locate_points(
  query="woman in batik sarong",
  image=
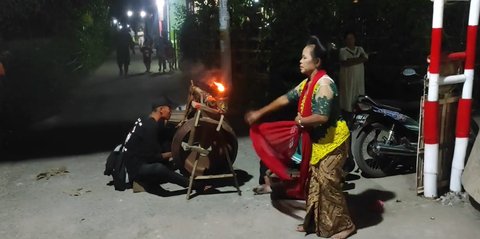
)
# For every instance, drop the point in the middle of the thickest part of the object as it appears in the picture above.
(324, 141)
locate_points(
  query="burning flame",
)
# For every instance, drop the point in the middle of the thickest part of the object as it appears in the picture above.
(220, 86)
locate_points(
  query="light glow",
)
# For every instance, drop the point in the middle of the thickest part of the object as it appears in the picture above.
(129, 13)
(220, 86)
(143, 14)
(160, 7)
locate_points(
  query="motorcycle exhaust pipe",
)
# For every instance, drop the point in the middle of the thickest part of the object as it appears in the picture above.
(397, 150)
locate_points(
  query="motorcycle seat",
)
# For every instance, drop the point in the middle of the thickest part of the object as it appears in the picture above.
(401, 106)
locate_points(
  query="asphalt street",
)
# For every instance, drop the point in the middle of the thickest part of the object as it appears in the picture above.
(73, 201)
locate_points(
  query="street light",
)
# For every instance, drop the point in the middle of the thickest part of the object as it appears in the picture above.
(115, 21)
(129, 13)
(160, 6)
(143, 14)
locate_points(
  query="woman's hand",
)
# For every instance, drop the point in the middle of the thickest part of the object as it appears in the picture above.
(167, 156)
(252, 117)
(298, 120)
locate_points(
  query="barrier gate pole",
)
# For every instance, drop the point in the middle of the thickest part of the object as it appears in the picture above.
(465, 103)
(430, 170)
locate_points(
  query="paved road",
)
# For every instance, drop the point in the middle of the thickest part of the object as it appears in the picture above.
(79, 204)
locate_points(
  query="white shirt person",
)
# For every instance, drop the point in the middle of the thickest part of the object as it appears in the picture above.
(352, 73)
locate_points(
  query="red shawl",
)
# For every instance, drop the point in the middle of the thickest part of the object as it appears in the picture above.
(275, 142)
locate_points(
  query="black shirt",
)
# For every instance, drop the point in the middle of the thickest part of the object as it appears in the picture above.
(145, 143)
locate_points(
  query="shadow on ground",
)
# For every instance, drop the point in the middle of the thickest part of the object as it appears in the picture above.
(242, 177)
(74, 140)
(215, 186)
(407, 166)
(366, 208)
(60, 141)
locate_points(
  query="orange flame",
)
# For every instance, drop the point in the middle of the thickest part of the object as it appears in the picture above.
(220, 86)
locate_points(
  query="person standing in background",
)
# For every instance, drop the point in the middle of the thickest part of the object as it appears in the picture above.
(147, 51)
(124, 44)
(352, 74)
(160, 47)
(141, 37)
(170, 55)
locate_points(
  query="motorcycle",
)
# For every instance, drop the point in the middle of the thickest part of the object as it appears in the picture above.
(385, 134)
(382, 136)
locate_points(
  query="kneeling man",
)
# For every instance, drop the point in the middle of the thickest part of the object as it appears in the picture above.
(148, 150)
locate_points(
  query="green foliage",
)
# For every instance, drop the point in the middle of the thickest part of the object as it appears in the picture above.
(92, 31)
(396, 31)
(51, 45)
(37, 73)
(198, 35)
(39, 18)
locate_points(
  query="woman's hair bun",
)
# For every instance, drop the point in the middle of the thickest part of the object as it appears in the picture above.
(319, 50)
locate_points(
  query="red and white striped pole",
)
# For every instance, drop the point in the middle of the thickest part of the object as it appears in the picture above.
(430, 168)
(465, 103)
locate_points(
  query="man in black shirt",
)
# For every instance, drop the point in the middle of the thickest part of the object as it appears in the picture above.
(147, 150)
(124, 44)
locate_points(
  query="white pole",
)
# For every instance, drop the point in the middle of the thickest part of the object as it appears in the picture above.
(464, 105)
(430, 169)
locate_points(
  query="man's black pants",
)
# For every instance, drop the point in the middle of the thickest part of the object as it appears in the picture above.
(158, 173)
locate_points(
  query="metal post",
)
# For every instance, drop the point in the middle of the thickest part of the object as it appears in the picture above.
(431, 104)
(465, 103)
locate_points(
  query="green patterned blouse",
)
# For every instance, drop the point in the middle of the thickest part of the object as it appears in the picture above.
(321, 104)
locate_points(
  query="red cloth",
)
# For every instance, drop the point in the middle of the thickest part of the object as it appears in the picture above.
(276, 142)
(307, 94)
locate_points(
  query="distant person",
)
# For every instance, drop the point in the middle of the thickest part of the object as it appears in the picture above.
(161, 54)
(147, 151)
(124, 44)
(170, 55)
(132, 34)
(352, 74)
(147, 52)
(141, 37)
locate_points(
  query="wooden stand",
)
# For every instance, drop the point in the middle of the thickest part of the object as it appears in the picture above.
(447, 112)
(204, 152)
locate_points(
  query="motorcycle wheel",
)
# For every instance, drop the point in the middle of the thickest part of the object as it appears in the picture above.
(370, 162)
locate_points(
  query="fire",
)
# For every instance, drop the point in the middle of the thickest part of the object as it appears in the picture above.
(220, 86)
